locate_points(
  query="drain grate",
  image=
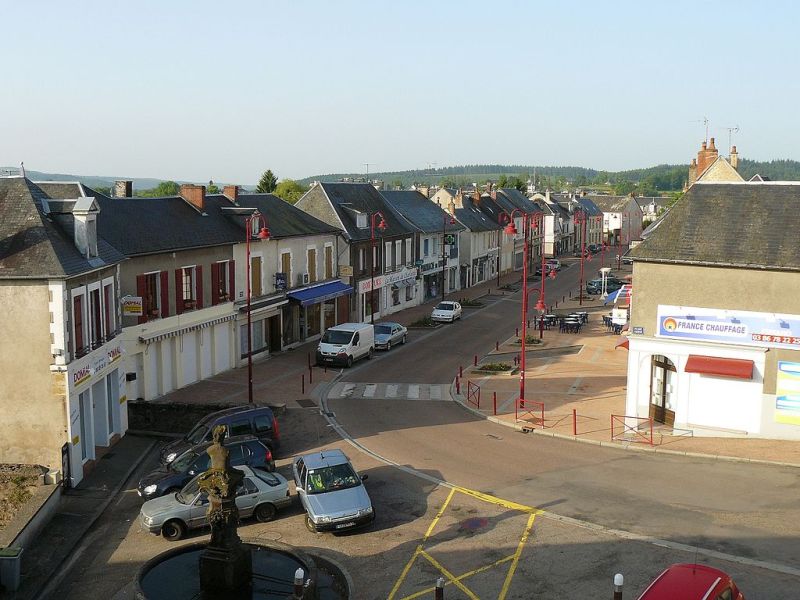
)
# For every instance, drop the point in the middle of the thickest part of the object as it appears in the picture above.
(306, 403)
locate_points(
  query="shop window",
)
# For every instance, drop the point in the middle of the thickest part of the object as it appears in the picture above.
(395, 295)
(409, 292)
(328, 262)
(313, 319)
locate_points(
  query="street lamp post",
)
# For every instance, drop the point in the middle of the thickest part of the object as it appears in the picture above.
(579, 218)
(381, 225)
(445, 221)
(263, 234)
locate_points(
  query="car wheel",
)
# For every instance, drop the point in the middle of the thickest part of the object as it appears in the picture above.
(388, 345)
(310, 525)
(173, 530)
(264, 512)
(371, 353)
(349, 361)
(404, 340)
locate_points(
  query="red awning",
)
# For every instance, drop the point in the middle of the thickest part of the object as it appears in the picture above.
(722, 367)
(622, 344)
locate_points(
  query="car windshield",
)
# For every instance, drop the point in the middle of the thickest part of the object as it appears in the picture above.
(328, 479)
(267, 478)
(444, 306)
(383, 329)
(197, 434)
(180, 464)
(188, 493)
(334, 336)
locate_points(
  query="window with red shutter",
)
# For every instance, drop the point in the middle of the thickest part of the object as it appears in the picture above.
(232, 280)
(178, 291)
(215, 283)
(110, 311)
(198, 274)
(77, 322)
(164, 290)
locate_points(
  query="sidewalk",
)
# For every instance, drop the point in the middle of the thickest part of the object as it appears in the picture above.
(78, 509)
(587, 374)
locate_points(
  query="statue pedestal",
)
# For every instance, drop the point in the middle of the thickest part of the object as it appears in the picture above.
(225, 569)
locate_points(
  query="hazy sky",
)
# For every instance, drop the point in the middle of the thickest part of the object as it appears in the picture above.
(197, 90)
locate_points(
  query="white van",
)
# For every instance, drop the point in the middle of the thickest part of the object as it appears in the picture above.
(346, 343)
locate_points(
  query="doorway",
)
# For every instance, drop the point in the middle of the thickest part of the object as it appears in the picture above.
(662, 390)
(274, 327)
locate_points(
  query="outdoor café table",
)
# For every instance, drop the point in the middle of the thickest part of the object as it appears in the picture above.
(551, 318)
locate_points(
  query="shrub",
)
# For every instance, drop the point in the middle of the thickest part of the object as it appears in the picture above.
(423, 322)
(495, 367)
(530, 339)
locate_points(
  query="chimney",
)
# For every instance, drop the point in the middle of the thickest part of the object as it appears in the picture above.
(734, 158)
(451, 208)
(194, 195)
(692, 172)
(711, 145)
(493, 193)
(231, 192)
(123, 188)
(424, 190)
(707, 155)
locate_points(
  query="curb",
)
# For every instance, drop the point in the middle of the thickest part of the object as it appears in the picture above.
(652, 450)
(58, 574)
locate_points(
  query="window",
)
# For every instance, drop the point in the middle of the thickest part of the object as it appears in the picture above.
(362, 260)
(395, 295)
(328, 262)
(398, 253)
(286, 267)
(238, 453)
(255, 276)
(149, 286)
(262, 423)
(220, 282)
(426, 247)
(95, 318)
(375, 261)
(187, 285)
(410, 292)
(311, 264)
(240, 427)
(387, 265)
(77, 325)
(110, 310)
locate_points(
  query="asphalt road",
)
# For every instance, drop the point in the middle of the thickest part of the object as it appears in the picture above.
(606, 510)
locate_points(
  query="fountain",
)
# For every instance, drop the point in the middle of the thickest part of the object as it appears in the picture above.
(228, 568)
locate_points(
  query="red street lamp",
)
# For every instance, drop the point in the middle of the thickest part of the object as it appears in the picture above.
(580, 218)
(381, 226)
(530, 222)
(256, 228)
(445, 221)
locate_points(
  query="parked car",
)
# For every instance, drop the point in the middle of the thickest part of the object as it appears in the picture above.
(692, 582)
(594, 248)
(239, 420)
(346, 343)
(595, 286)
(389, 334)
(446, 312)
(331, 492)
(261, 496)
(553, 263)
(244, 450)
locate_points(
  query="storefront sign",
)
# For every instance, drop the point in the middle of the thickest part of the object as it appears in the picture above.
(81, 375)
(638, 330)
(746, 328)
(384, 280)
(787, 393)
(114, 354)
(345, 270)
(132, 306)
(96, 362)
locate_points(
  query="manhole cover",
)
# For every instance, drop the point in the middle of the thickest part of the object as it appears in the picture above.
(306, 403)
(473, 524)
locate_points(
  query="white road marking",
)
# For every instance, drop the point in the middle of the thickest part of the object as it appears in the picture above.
(413, 392)
(347, 392)
(573, 389)
(369, 390)
(391, 390)
(435, 392)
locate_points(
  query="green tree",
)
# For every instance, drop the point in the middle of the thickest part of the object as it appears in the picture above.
(397, 184)
(623, 187)
(212, 188)
(502, 181)
(165, 188)
(267, 183)
(290, 190)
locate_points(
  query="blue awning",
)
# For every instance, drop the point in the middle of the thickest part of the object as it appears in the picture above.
(320, 293)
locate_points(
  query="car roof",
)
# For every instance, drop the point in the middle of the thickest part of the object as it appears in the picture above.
(234, 410)
(325, 458)
(228, 441)
(349, 327)
(390, 323)
(692, 580)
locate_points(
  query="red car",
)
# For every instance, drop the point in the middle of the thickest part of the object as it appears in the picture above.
(692, 582)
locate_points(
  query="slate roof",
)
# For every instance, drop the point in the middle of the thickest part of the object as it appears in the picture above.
(516, 199)
(341, 202)
(610, 204)
(34, 244)
(473, 218)
(427, 216)
(590, 207)
(758, 230)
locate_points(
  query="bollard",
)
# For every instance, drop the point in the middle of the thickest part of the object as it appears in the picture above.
(497, 345)
(618, 580)
(326, 368)
(303, 383)
(563, 298)
(574, 422)
(528, 323)
(309, 359)
(298, 583)
(516, 332)
(310, 375)
(439, 590)
(494, 402)
(460, 371)
(458, 385)
(475, 361)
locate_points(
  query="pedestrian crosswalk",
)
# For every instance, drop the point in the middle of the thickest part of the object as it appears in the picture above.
(391, 391)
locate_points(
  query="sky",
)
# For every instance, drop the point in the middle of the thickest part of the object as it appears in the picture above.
(199, 90)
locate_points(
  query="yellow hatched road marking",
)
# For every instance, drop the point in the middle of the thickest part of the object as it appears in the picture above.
(498, 501)
(449, 575)
(517, 554)
(460, 577)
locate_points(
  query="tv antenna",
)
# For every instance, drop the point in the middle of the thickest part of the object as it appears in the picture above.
(705, 122)
(731, 131)
(366, 165)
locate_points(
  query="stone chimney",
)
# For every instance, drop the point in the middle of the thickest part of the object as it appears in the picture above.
(451, 208)
(707, 155)
(231, 192)
(123, 188)
(194, 195)
(692, 172)
(424, 190)
(734, 158)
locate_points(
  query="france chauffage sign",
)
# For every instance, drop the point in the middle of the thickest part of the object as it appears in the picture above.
(745, 328)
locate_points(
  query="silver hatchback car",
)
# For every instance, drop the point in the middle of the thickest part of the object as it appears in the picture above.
(332, 493)
(260, 496)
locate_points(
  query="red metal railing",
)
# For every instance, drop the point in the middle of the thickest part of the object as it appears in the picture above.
(529, 408)
(474, 394)
(625, 428)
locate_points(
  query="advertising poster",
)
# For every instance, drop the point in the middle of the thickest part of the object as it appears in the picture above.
(787, 393)
(745, 328)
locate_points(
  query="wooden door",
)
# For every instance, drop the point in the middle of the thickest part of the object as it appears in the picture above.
(662, 380)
